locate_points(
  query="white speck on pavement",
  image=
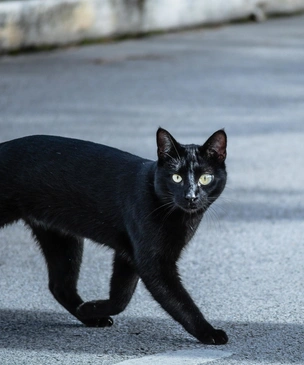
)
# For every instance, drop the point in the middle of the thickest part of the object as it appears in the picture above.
(190, 357)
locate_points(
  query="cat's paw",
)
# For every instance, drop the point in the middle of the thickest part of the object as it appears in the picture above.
(97, 322)
(214, 337)
(86, 315)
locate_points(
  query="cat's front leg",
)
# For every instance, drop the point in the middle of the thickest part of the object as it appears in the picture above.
(162, 280)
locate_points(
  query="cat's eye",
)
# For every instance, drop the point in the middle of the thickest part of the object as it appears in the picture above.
(205, 179)
(177, 178)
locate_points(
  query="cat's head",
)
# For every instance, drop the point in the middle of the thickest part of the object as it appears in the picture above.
(190, 177)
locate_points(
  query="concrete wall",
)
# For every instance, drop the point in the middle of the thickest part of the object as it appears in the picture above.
(36, 23)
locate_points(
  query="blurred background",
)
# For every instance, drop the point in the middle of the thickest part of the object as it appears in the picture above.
(119, 92)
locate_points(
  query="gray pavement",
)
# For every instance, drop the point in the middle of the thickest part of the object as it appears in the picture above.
(244, 267)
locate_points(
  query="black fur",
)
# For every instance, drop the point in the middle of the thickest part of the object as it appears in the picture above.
(67, 189)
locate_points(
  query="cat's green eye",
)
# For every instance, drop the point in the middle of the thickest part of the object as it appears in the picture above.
(177, 178)
(205, 179)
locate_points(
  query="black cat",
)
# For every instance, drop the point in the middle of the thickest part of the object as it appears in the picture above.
(147, 211)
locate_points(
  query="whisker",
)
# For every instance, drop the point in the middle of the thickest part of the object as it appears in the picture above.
(166, 216)
(158, 208)
(169, 212)
(212, 218)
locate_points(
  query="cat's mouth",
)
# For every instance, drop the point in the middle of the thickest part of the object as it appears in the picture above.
(190, 208)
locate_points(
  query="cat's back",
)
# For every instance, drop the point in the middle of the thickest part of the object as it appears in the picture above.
(55, 149)
(61, 158)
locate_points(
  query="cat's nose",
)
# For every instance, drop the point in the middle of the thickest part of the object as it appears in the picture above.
(191, 197)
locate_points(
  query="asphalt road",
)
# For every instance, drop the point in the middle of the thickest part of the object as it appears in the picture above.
(244, 268)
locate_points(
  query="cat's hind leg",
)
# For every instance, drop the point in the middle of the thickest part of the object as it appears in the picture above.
(63, 255)
(123, 283)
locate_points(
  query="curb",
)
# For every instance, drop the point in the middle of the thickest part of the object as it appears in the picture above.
(51, 23)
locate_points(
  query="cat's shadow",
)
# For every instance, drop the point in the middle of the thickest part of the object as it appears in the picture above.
(49, 331)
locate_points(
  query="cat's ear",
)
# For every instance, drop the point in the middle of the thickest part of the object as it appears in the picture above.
(166, 144)
(215, 147)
